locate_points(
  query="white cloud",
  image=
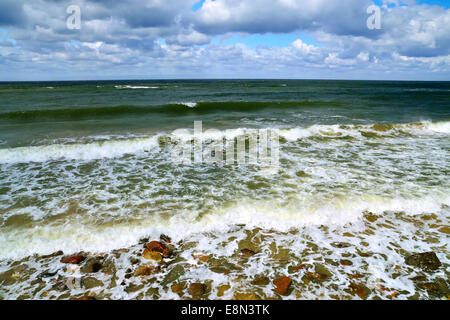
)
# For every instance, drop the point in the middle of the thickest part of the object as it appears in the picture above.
(166, 37)
(303, 47)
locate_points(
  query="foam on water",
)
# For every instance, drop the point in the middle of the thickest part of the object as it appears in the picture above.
(89, 151)
(117, 148)
(356, 131)
(135, 87)
(189, 104)
(101, 237)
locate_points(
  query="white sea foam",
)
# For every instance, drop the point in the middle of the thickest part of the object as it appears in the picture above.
(114, 148)
(189, 104)
(442, 127)
(135, 87)
(89, 151)
(79, 235)
(419, 128)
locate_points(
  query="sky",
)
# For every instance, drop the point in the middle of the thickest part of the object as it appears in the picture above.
(187, 39)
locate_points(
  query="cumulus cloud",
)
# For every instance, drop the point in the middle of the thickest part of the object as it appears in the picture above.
(166, 38)
(303, 47)
(260, 16)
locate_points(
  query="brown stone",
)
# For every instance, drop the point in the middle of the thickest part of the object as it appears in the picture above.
(247, 252)
(393, 295)
(419, 278)
(75, 259)
(246, 296)
(427, 261)
(152, 255)
(359, 290)
(445, 230)
(156, 246)
(429, 286)
(178, 288)
(201, 257)
(146, 271)
(297, 268)
(346, 262)
(196, 290)
(165, 238)
(261, 281)
(282, 285)
(222, 289)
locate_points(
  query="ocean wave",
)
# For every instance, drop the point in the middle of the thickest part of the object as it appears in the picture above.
(174, 108)
(364, 131)
(76, 151)
(135, 87)
(79, 235)
(115, 147)
(190, 104)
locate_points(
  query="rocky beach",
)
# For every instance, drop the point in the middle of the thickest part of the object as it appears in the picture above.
(249, 265)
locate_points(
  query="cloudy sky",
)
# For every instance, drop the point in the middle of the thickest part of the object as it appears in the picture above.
(162, 39)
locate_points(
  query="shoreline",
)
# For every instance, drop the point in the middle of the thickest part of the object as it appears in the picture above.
(251, 265)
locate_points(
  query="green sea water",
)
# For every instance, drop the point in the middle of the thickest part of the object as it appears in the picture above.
(34, 112)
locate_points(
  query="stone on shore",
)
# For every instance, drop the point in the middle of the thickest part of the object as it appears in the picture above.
(426, 260)
(196, 290)
(173, 275)
(358, 289)
(91, 282)
(165, 238)
(146, 271)
(295, 269)
(320, 269)
(156, 246)
(178, 288)
(75, 259)
(201, 257)
(222, 289)
(246, 296)
(282, 285)
(152, 255)
(92, 265)
(247, 253)
(261, 281)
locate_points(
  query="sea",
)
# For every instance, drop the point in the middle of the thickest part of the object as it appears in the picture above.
(361, 182)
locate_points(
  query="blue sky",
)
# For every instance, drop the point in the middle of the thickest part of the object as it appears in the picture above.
(443, 3)
(225, 39)
(267, 39)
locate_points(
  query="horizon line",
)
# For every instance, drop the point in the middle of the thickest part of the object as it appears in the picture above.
(228, 79)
